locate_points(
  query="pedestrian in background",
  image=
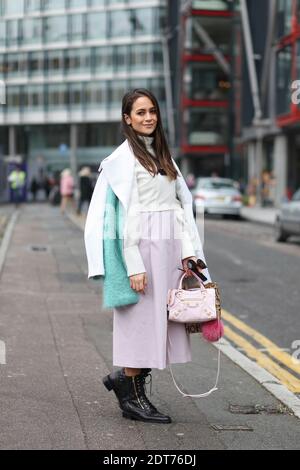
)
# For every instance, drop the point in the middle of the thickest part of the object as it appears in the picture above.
(85, 188)
(66, 190)
(17, 182)
(191, 180)
(34, 187)
(152, 190)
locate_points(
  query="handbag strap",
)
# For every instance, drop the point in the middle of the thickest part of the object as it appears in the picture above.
(200, 395)
(202, 287)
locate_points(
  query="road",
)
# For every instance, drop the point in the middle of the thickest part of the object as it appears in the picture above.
(259, 281)
(58, 343)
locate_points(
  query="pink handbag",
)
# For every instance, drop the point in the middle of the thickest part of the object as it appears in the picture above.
(196, 306)
(193, 305)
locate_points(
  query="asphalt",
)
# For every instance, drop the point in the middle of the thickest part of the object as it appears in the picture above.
(58, 344)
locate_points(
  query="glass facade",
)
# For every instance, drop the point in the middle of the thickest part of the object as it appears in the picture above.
(211, 4)
(56, 28)
(81, 61)
(284, 78)
(125, 23)
(219, 31)
(32, 6)
(284, 17)
(206, 81)
(207, 126)
(32, 31)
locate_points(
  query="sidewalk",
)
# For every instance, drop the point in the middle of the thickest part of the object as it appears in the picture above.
(263, 215)
(59, 345)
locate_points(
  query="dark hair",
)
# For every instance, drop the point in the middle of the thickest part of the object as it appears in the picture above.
(159, 144)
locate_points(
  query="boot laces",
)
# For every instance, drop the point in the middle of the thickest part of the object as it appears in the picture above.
(140, 384)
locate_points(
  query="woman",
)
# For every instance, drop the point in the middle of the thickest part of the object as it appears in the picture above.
(160, 235)
(66, 190)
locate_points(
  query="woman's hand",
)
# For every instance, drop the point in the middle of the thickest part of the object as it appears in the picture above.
(138, 282)
(185, 266)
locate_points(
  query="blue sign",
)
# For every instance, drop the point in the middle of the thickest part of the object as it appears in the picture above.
(63, 148)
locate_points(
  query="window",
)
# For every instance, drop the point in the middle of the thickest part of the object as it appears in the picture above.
(3, 65)
(12, 32)
(208, 126)
(157, 86)
(97, 3)
(2, 33)
(53, 4)
(76, 95)
(32, 31)
(34, 97)
(36, 63)
(13, 97)
(14, 7)
(284, 66)
(55, 62)
(121, 58)
(141, 57)
(120, 23)
(77, 27)
(77, 60)
(138, 83)
(157, 57)
(16, 65)
(98, 135)
(117, 90)
(211, 4)
(55, 28)
(32, 5)
(284, 17)
(160, 20)
(96, 25)
(77, 3)
(95, 94)
(103, 59)
(142, 21)
(58, 96)
(219, 29)
(206, 81)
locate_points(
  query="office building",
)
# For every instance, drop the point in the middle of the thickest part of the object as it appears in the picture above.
(66, 65)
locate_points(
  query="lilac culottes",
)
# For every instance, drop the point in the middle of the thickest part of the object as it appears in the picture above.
(142, 335)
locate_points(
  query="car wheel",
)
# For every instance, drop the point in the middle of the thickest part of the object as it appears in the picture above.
(280, 234)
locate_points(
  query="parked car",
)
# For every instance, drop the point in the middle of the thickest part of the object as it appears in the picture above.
(288, 219)
(217, 195)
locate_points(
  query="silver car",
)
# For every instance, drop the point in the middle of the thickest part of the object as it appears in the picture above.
(288, 219)
(217, 196)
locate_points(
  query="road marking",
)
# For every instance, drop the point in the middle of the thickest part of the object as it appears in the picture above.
(271, 347)
(2, 353)
(289, 380)
(263, 377)
(7, 236)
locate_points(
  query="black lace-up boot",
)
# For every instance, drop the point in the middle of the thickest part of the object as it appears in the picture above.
(133, 401)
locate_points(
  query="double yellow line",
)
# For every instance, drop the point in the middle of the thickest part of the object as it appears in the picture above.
(272, 359)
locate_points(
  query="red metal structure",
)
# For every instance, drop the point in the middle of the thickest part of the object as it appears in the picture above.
(204, 120)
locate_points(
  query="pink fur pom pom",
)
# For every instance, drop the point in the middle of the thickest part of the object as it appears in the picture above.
(212, 330)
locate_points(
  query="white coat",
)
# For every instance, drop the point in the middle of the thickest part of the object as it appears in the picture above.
(117, 171)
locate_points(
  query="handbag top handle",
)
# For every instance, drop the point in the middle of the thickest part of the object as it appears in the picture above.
(195, 275)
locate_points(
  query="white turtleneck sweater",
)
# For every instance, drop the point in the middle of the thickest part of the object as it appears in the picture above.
(151, 193)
